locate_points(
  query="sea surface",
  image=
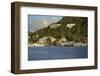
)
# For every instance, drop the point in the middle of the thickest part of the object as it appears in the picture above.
(57, 52)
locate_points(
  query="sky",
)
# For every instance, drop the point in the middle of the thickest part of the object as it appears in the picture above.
(36, 22)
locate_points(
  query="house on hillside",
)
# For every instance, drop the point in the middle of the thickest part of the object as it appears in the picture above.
(55, 25)
(62, 41)
(44, 40)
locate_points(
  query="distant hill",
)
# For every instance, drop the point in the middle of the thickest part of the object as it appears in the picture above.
(76, 33)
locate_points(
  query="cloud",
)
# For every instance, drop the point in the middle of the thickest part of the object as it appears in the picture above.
(38, 24)
(54, 19)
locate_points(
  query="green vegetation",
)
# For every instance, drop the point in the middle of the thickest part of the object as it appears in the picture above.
(78, 33)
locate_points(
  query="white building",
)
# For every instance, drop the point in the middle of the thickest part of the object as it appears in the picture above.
(80, 44)
(70, 25)
(55, 25)
(43, 40)
(63, 39)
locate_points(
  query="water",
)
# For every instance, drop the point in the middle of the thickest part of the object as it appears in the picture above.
(57, 52)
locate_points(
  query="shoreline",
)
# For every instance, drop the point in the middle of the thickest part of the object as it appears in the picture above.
(67, 45)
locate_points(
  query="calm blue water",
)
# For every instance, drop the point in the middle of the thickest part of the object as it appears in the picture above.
(49, 53)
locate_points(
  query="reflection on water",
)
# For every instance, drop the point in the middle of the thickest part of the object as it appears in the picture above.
(52, 53)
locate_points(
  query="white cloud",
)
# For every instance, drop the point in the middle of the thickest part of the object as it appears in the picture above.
(38, 24)
(42, 23)
(54, 19)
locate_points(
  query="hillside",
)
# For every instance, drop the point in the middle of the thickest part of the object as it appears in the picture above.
(77, 33)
